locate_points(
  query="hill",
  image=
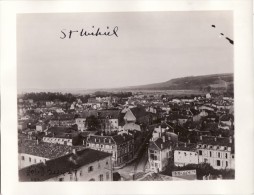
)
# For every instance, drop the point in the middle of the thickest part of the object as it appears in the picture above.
(205, 82)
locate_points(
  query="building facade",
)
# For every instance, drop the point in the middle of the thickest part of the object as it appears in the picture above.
(83, 165)
(120, 146)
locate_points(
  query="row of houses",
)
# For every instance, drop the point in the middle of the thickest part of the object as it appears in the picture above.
(164, 147)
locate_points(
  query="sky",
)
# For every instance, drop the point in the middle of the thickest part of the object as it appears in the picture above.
(151, 47)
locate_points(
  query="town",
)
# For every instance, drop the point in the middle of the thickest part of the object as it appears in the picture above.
(125, 136)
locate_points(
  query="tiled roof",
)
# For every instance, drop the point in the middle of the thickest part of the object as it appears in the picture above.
(220, 141)
(114, 114)
(139, 111)
(158, 144)
(116, 139)
(132, 126)
(64, 117)
(186, 146)
(61, 165)
(46, 150)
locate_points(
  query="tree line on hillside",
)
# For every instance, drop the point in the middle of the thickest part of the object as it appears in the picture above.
(115, 94)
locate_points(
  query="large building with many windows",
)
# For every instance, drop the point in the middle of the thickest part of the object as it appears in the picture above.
(83, 165)
(217, 151)
(120, 146)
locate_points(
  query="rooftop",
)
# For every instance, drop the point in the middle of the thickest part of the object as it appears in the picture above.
(61, 165)
(42, 149)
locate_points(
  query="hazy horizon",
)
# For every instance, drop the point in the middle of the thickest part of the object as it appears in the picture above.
(151, 47)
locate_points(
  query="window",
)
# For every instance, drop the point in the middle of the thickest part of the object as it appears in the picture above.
(218, 162)
(22, 158)
(153, 157)
(226, 155)
(233, 156)
(101, 177)
(107, 176)
(200, 152)
(30, 159)
(80, 173)
(106, 162)
(226, 163)
(90, 168)
(219, 154)
(210, 154)
(61, 179)
(34, 160)
(99, 165)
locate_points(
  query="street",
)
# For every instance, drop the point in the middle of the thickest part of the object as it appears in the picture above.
(140, 160)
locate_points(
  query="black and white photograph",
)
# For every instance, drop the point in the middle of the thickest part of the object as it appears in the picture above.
(125, 96)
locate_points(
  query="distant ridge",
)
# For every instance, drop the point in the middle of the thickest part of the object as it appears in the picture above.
(191, 83)
(223, 81)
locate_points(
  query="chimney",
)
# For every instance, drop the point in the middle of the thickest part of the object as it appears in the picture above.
(220, 135)
(230, 140)
(164, 138)
(200, 137)
(188, 141)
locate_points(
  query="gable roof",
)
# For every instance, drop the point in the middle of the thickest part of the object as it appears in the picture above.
(217, 141)
(129, 116)
(158, 144)
(42, 149)
(61, 165)
(116, 139)
(139, 111)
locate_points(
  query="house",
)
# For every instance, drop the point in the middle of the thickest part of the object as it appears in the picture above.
(226, 120)
(40, 126)
(120, 146)
(185, 153)
(64, 139)
(33, 151)
(61, 135)
(66, 120)
(208, 96)
(132, 126)
(83, 165)
(137, 114)
(81, 123)
(160, 153)
(217, 151)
